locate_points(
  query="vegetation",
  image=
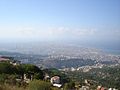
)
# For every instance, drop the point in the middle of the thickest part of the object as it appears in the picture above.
(56, 72)
(9, 87)
(6, 68)
(12, 77)
(39, 85)
(106, 76)
(69, 86)
(57, 63)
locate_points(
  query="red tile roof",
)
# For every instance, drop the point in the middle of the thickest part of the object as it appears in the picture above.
(3, 59)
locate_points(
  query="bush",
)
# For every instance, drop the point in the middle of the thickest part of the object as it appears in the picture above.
(3, 77)
(6, 68)
(39, 85)
(69, 86)
(10, 87)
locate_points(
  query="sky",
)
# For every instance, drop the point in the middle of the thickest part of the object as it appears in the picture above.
(66, 20)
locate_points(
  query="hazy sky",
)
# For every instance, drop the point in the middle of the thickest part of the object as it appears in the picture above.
(44, 20)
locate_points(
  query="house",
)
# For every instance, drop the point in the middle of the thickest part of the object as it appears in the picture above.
(55, 80)
(28, 78)
(57, 85)
(2, 59)
(46, 77)
(10, 60)
(84, 88)
(87, 82)
(101, 88)
(112, 89)
(15, 62)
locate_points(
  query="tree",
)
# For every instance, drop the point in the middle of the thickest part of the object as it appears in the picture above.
(6, 68)
(32, 70)
(29, 68)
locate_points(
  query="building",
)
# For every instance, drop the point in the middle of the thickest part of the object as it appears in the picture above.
(2, 59)
(55, 80)
(84, 88)
(46, 77)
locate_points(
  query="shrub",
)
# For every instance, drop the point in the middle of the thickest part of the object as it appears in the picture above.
(39, 85)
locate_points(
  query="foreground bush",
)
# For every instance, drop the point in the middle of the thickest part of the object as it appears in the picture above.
(39, 85)
(9, 87)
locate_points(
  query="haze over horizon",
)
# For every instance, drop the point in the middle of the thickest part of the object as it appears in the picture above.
(90, 22)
